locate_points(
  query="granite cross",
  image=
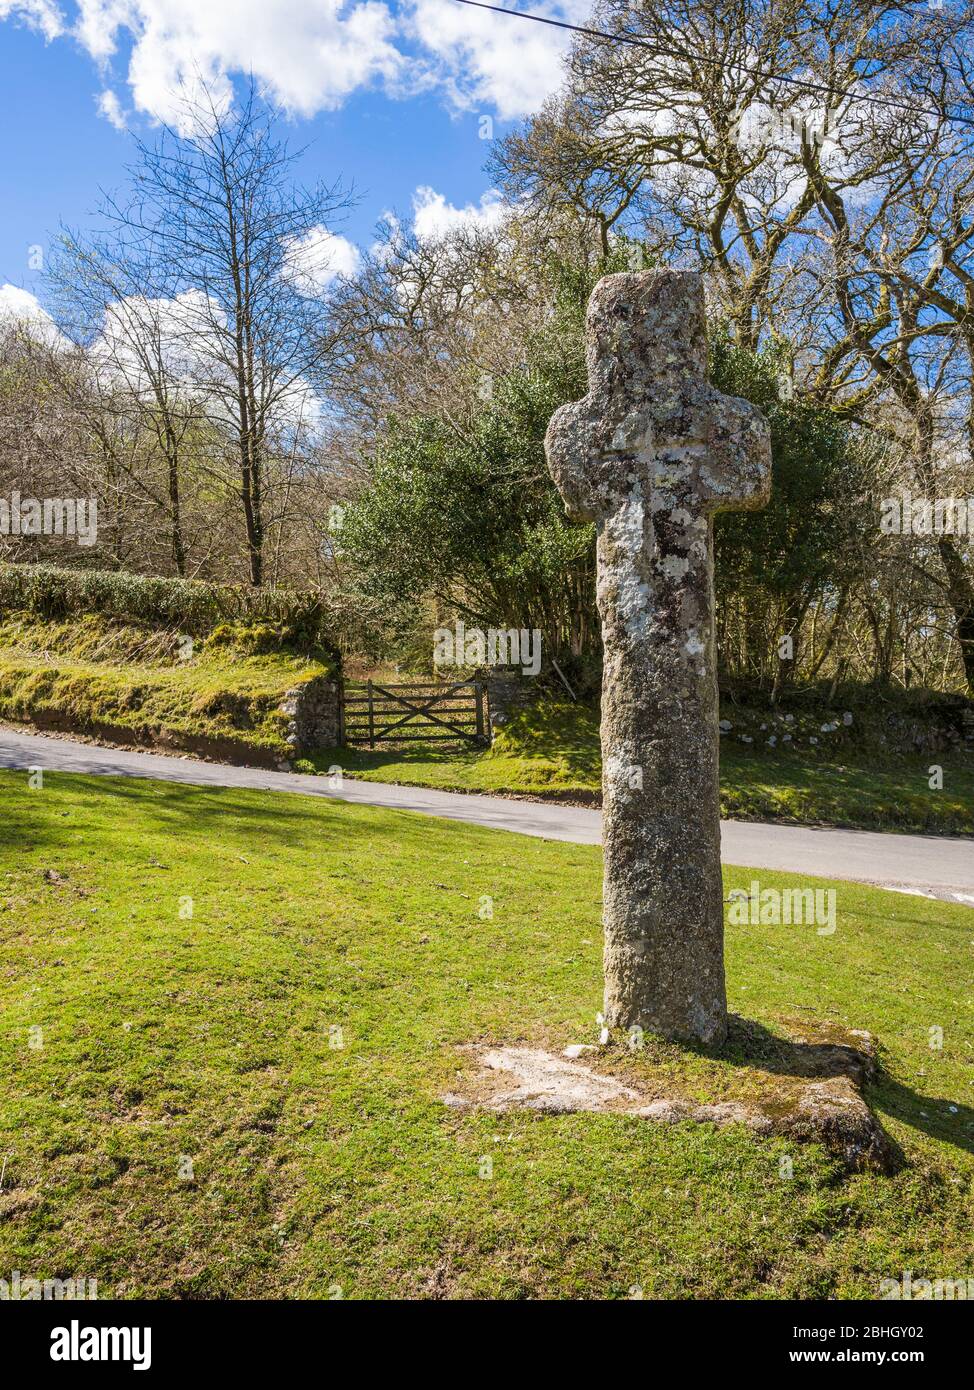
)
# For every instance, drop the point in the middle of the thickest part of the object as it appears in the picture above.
(650, 454)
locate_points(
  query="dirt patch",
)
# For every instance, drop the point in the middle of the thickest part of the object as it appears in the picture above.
(528, 1078)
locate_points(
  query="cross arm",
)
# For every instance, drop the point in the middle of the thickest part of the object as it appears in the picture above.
(587, 450)
(571, 446)
(736, 475)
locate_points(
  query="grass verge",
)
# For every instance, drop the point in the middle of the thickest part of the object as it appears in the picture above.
(228, 1017)
(221, 697)
(552, 751)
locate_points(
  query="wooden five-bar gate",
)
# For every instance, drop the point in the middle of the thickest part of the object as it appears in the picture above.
(414, 712)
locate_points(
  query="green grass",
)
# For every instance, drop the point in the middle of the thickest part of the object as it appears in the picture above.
(552, 751)
(92, 676)
(168, 1037)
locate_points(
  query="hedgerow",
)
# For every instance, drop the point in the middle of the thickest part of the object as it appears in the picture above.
(189, 606)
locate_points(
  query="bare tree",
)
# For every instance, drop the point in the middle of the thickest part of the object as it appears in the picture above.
(235, 248)
(130, 345)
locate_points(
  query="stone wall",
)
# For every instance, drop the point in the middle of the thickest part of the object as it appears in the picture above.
(314, 711)
(944, 726)
(508, 690)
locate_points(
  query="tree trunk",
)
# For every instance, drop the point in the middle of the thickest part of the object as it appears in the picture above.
(175, 512)
(960, 595)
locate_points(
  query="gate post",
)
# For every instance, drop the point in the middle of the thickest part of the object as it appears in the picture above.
(371, 719)
(479, 694)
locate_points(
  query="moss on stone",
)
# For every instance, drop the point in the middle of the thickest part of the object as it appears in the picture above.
(95, 676)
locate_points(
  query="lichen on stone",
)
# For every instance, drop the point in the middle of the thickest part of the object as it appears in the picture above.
(650, 455)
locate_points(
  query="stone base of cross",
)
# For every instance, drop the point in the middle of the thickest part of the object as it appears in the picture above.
(651, 454)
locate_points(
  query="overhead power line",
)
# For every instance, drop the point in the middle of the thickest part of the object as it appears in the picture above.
(806, 85)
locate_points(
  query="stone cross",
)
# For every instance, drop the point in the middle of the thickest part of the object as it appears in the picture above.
(650, 454)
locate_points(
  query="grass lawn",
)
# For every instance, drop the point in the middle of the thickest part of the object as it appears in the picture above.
(552, 751)
(177, 1118)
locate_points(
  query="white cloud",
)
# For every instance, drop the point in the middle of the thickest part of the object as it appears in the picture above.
(186, 337)
(319, 257)
(175, 332)
(312, 54)
(434, 217)
(41, 15)
(19, 306)
(484, 59)
(309, 56)
(110, 107)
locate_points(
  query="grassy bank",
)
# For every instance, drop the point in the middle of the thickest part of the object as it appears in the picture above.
(228, 1018)
(553, 751)
(220, 696)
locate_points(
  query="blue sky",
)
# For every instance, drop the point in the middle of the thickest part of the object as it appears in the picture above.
(390, 96)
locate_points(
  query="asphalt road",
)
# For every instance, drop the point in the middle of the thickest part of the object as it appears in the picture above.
(932, 865)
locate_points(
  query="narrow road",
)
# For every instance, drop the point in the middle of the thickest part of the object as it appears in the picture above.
(926, 864)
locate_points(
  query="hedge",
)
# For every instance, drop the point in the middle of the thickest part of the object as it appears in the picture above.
(186, 605)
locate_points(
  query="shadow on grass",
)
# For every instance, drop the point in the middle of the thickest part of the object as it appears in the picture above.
(178, 808)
